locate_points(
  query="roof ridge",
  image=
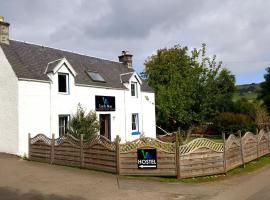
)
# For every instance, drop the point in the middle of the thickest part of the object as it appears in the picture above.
(127, 73)
(55, 60)
(68, 51)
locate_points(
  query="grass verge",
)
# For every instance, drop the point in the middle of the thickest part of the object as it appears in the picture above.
(249, 167)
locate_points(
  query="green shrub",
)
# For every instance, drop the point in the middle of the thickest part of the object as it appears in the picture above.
(83, 123)
(24, 157)
(244, 106)
(229, 122)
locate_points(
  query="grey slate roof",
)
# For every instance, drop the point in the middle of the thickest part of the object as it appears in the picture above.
(125, 77)
(30, 61)
(52, 65)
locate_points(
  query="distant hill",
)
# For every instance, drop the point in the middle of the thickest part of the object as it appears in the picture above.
(248, 91)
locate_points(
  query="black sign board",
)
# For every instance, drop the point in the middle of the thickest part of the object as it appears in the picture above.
(147, 158)
(105, 103)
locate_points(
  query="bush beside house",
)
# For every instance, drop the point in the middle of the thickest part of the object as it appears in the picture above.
(83, 123)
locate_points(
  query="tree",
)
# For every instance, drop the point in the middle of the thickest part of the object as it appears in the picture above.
(245, 106)
(83, 123)
(262, 116)
(229, 122)
(190, 87)
(264, 93)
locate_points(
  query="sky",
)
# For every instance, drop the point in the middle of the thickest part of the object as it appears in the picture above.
(237, 31)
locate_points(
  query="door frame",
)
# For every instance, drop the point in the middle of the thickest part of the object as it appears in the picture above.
(107, 122)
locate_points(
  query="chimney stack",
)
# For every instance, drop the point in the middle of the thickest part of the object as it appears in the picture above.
(126, 59)
(4, 31)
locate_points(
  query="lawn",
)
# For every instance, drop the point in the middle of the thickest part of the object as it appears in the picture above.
(216, 139)
(248, 96)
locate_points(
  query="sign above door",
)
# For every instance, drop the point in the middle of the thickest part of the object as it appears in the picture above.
(105, 103)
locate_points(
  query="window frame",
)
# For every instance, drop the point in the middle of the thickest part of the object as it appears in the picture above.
(65, 126)
(67, 82)
(136, 130)
(135, 89)
(96, 76)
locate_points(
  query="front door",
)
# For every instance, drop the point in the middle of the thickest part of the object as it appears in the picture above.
(105, 125)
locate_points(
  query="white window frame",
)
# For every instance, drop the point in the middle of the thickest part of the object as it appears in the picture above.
(135, 89)
(67, 83)
(64, 126)
(136, 122)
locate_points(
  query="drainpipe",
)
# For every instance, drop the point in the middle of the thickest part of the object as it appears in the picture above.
(142, 130)
(50, 108)
(125, 110)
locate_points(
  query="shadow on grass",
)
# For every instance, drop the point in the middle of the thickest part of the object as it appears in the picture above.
(8, 193)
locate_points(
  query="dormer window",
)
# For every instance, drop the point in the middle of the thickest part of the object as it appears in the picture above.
(95, 76)
(134, 90)
(63, 83)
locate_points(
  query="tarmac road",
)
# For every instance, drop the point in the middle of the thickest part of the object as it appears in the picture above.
(27, 180)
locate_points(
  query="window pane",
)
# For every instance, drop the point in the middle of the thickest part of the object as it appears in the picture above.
(95, 76)
(133, 89)
(61, 132)
(63, 125)
(133, 126)
(62, 83)
(134, 122)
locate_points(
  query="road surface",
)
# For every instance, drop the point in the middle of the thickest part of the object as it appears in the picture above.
(27, 180)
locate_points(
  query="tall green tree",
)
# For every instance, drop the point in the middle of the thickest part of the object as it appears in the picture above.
(264, 94)
(190, 87)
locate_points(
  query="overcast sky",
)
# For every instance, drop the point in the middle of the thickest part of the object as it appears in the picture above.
(238, 32)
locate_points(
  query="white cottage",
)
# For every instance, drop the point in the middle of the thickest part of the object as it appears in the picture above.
(40, 88)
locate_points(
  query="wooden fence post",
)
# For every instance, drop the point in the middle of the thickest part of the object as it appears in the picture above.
(242, 150)
(117, 145)
(29, 146)
(224, 152)
(81, 151)
(52, 148)
(177, 155)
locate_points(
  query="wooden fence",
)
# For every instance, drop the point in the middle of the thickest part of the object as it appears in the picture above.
(199, 157)
(98, 153)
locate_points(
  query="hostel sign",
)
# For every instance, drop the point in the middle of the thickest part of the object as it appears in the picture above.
(147, 158)
(105, 103)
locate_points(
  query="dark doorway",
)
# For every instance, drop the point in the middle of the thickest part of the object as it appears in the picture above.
(105, 125)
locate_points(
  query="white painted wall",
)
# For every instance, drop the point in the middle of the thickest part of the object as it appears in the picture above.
(34, 111)
(40, 105)
(133, 105)
(149, 115)
(67, 104)
(9, 107)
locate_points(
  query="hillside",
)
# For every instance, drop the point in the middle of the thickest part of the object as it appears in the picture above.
(248, 91)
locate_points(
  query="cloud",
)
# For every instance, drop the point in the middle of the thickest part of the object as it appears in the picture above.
(237, 31)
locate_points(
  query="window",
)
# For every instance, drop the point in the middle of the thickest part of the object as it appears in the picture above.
(63, 83)
(95, 76)
(63, 124)
(135, 122)
(134, 89)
